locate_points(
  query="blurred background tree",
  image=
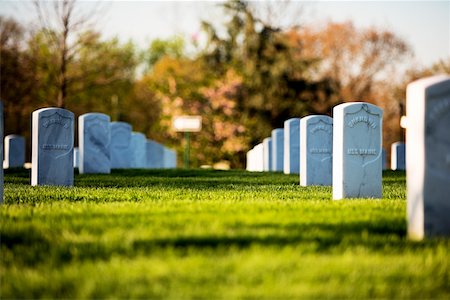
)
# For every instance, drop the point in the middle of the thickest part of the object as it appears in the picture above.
(248, 77)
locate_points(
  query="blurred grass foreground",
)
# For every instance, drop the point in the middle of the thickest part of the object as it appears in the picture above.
(211, 234)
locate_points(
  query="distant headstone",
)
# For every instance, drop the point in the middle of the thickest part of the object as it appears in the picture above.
(292, 146)
(250, 160)
(398, 161)
(316, 148)
(120, 146)
(14, 151)
(357, 155)
(428, 157)
(155, 155)
(267, 148)
(52, 147)
(1, 151)
(170, 158)
(139, 147)
(76, 157)
(383, 159)
(94, 143)
(258, 157)
(278, 149)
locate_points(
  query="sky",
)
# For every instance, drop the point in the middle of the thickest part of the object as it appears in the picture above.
(424, 25)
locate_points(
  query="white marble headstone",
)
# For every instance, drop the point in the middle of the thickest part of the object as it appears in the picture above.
(1, 151)
(120, 146)
(52, 147)
(428, 157)
(267, 151)
(155, 155)
(14, 151)
(250, 160)
(170, 158)
(278, 149)
(139, 147)
(292, 146)
(398, 160)
(316, 148)
(258, 157)
(94, 143)
(357, 155)
(76, 157)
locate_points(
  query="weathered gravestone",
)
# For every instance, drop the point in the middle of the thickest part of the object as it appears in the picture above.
(14, 151)
(428, 157)
(357, 155)
(292, 146)
(398, 161)
(120, 146)
(316, 148)
(139, 147)
(76, 157)
(94, 143)
(267, 148)
(170, 158)
(277, 149)
(52, 147)
(155, 155)
(1, 151)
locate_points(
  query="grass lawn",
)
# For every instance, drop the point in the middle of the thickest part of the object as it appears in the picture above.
(211, 234)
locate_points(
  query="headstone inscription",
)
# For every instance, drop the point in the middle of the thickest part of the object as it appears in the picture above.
(120, 146)
(398, 161)
(428, 157)
(267, 146)
(292, 146)
(277, 149)
(14, 151)
(52, 147)
(155, 155)
(139, 148)
(316, 148)
(357, 155)
(94, 143)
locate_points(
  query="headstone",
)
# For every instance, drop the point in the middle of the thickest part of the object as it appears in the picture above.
(292, 146)
(1, 151)
(316, 148)
(14, 151)
(120, 146)
(155, 155)
(267, 146)
(258, 158)
(170, 158)
(94, 143)
(398, 161)
(428, 157)
(52, 147)
(383, 159)
(278, 149)
(139, 147)
(250, 160)
(357, 170)
(76, 157)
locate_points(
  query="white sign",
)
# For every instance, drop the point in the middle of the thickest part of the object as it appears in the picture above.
(187, 123)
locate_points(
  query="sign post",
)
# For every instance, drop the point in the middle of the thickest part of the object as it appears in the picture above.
(187, 124)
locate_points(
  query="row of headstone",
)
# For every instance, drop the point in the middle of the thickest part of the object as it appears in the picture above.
(103, 145)
(345, 152)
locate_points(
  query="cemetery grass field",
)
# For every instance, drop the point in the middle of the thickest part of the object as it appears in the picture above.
(211, 234)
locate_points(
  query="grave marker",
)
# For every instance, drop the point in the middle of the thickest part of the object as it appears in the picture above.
(155, 155)
(94, 144)
(316, 148)
(398, 161)
(267, 152)
(52, 147)
(139, 148)
(428, 157)
(277, 149)
(170, 158)
(120, 146)
(76, 157)
(14, 151)
(357, 155)
(292, 146)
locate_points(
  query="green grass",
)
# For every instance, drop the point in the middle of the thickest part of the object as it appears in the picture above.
(211, 234)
